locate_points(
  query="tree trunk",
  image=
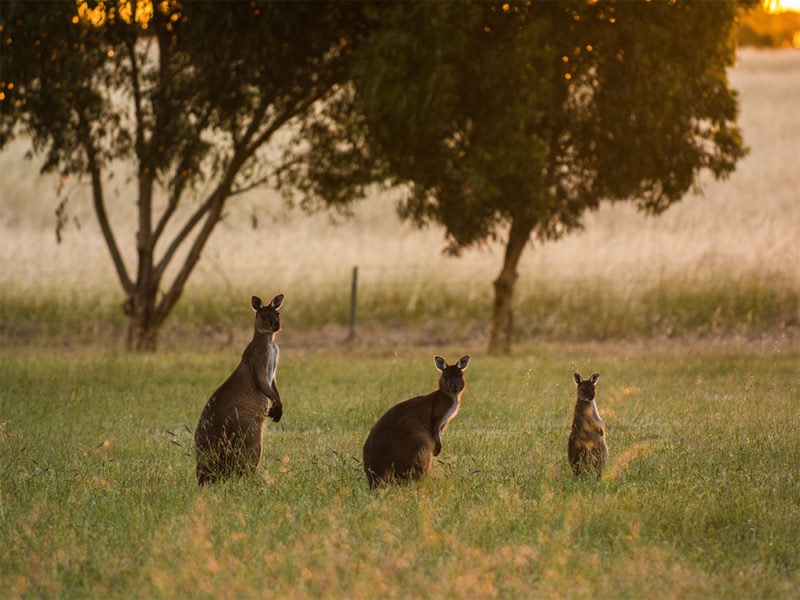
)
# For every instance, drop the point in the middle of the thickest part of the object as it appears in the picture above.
(144, 323)
(503, 315)
(142, 335)
(147, 311)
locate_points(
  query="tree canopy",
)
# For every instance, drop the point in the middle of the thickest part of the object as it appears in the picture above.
(190, 92)
(513, 119)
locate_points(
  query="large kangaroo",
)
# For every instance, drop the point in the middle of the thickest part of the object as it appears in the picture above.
(587, 449)
(402, 443)
(228, 435)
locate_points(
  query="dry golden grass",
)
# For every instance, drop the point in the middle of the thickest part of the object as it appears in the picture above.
(744, 227)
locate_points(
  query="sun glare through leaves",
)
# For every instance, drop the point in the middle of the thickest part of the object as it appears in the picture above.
(140, 12)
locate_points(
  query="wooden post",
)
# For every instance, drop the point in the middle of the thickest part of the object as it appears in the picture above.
(353, 295)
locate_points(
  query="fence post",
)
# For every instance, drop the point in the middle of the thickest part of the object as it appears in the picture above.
(353, 295)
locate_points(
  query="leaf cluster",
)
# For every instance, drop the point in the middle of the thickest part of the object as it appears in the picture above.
(536, 112)
(50, 66)
(192, 93)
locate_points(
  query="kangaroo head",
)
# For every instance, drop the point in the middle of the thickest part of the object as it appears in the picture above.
(452, 379)
(586, 386)
(268, 319)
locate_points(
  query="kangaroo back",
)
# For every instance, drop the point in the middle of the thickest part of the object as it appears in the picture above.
(402, 443)
(587, 450)
(229, 432)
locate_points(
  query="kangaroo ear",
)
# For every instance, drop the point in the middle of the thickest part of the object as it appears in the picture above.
(594, 378)
(256, 303)
(577, 378)
(463, 362)
(440, 363)
(277, 302)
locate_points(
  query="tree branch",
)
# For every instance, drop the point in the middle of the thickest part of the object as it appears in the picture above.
(212, 213)
(99, 206)
(298, 107)
(212, 209)
(146, 175)
(180, 182)
(253, 185)
(185, 231)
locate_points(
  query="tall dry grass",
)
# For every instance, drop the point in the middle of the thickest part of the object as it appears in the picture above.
(731, 234)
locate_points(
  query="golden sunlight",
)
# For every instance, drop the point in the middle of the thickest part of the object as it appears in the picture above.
(780, 6)
(789, 11)
(98, 15)
(124, 10)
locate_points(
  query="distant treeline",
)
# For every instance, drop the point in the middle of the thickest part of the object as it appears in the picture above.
(764, 30)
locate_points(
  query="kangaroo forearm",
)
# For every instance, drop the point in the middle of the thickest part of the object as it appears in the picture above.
(275, 389)
(267, 389)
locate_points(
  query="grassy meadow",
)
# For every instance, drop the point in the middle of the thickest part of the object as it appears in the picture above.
(701, 496)
(691, 319)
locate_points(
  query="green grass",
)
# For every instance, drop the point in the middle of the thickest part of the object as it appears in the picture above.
(701, 497)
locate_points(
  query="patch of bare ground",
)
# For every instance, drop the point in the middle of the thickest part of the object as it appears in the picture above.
(389, 338)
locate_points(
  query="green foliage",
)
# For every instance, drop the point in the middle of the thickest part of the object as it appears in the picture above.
(514, 119)
(167, 74)
(189, 95)
(97, 496)
(536, 112)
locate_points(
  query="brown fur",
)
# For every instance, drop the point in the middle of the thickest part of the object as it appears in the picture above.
(587, 449)
(229, 432)
(402, 443)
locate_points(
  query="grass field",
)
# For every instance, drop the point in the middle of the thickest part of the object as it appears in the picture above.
(701, 497)
(691, 319)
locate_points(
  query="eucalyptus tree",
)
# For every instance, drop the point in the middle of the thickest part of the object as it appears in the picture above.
(190, 93)
(511, 120)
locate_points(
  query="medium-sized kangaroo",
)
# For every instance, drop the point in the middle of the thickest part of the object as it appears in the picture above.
(587, 448)
(228, 435)
(402, 443)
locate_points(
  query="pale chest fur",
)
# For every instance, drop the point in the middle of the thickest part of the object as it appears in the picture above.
(588, 423)
(451, 412)
(590, 413)
(271, 362)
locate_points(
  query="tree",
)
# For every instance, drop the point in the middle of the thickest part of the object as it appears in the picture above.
(515, 118)
(190, 92)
